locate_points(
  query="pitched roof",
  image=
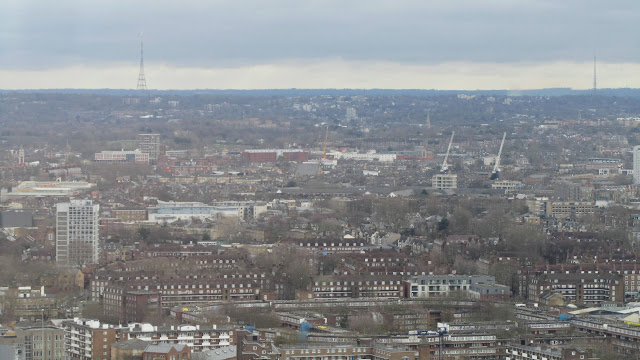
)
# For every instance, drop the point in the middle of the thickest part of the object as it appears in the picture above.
(133, 344)
(164, 348)
(222, 353)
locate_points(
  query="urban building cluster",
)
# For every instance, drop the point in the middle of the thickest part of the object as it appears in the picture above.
(319, 227)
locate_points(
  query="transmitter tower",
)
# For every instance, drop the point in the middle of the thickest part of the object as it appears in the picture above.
(142, 81)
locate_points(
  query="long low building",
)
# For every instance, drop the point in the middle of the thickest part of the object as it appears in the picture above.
(183, 292)
(198, 338)
(173, 211)
(357, 287)
(581, 289)
(369, 156)
(273, 155)
(135, 156)
(521, 352)
(443, 285)
(462, 346)
(622, 337)
(45, 188)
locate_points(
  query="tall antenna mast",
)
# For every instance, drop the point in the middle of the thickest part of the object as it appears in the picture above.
(594, 75)
(142, 82)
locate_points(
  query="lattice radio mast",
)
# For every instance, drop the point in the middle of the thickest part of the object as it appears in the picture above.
(142, 82)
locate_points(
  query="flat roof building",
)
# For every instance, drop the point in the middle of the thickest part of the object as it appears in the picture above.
(77, 232)
(133, 156)
(444, 181)
(150, 144)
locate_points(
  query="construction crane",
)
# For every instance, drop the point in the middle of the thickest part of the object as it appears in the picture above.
(445, 166)
(324, 148)
(495, 174)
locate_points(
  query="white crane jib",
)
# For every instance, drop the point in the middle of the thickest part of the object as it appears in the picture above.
(496, 167)
(445, 166)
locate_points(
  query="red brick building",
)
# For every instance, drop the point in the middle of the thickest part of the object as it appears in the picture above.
(128, 305)
(140, 303)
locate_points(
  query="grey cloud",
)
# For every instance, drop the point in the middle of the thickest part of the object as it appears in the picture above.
(41, 35)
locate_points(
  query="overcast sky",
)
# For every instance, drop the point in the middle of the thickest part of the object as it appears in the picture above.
(241, 44)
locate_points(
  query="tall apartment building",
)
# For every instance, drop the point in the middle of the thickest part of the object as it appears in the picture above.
(77, 234)
(88, 339)
(42, 343)
(150, 144)
(351, 114)
(127, 305)
(12, 352)
(636, 165)
(33, 343)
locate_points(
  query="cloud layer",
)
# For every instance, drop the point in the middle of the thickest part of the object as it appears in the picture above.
(272, 43)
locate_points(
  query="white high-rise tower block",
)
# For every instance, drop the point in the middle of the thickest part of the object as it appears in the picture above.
(77, 233)
(636, 165)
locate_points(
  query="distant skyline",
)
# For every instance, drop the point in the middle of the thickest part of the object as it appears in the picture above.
(226, 44)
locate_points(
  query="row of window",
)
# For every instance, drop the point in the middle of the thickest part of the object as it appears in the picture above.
(375, 282)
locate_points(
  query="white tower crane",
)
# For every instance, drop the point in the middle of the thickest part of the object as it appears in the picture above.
(445, 166)
(496, 168)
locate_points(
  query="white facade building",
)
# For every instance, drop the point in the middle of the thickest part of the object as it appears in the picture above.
(636, 165)
(45, 188)
(369, 156)
(506, 184)
(122, 156)
(77, 232)
(173, 211)
(88, 339)
(196, 337)
(443, 285)
(351, 114)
